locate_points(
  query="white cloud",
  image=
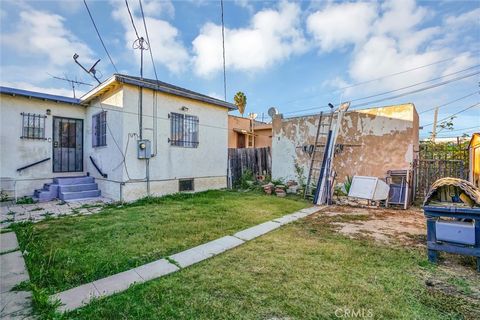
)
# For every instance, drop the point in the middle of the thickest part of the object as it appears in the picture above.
(338, 25)
(272, 36)
(167, 47)
(386, 39)
(43, 33)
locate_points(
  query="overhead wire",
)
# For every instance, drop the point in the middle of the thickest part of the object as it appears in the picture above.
(223, 47)
(453, 114)
(131, 19)
(99, 36)
(396, 96)
(388, 75)
(450, 102)
(148, 40)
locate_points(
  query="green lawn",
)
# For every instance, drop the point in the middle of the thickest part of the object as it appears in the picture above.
(67, 252)
(302, 271)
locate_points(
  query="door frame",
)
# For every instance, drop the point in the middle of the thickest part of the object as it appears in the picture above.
(53, 143)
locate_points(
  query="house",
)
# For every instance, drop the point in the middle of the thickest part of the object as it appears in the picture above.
(248, 133)
(127, 138)
(370, 142)
(474, 157)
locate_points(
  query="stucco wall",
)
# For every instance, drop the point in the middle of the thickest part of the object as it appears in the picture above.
(171, 163)
(374, 141)
(16, 152)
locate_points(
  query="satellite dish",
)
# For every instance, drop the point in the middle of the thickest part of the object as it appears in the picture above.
(272, 112)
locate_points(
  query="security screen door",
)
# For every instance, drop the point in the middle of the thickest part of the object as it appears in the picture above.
(67, 145)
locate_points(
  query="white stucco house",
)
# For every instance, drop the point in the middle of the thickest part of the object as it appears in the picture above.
(125, 139)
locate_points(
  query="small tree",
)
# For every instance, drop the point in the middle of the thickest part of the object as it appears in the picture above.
(240, 101)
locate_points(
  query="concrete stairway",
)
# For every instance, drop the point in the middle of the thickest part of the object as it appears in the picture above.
(68, 188)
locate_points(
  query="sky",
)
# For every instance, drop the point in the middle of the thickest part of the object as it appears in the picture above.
(294, 56)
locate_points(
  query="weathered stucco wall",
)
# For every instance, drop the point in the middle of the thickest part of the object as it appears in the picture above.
(16, 152)
(374, 141)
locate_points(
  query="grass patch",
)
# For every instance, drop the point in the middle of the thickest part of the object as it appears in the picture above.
(67, 252)
(301, 271)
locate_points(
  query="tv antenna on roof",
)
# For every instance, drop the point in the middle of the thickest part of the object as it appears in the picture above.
(92, 71)
(72, 82)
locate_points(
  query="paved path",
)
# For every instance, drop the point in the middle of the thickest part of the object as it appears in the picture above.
(13, 304)
(80, 296)
(35, 212)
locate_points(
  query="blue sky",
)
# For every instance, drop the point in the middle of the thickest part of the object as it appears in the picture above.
(291, 55)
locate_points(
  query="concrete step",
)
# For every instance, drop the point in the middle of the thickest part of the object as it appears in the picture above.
(79, 194)
(73, 180)
(78, 187)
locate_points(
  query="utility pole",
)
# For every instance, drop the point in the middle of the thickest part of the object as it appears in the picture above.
(434, 131)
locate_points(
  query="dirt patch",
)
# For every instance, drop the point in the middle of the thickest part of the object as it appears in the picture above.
(454, 276)
(382, 224)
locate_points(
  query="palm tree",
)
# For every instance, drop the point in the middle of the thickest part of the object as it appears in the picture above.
(240, 101)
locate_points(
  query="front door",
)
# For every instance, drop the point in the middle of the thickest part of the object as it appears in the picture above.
(67, 145)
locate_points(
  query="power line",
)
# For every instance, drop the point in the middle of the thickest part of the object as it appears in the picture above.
(453, 114)
(386, 76)
(99, 36)
(223, 46)
(465, 129)
(450, 102)
(419, 90)
(399, 95)
(131, 19)
(148, 40)
(415, 84)
(402, 72)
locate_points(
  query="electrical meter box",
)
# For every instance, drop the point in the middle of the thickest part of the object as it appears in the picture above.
(144, 149)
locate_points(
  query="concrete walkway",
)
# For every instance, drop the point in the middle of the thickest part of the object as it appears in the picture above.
(11, 212)
(80, 296)
(13, 304)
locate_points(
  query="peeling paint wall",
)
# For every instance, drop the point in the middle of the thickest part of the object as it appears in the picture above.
(374, 141)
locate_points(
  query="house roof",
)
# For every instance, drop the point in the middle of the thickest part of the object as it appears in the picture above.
(154, 85)
(38, 95)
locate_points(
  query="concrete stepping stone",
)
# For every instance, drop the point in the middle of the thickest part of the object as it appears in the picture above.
(258, 230)
(12, 271)
(15, 304)
(155, 269)
(76, 297)
(205, 251)
(117, 283)
(8, 242)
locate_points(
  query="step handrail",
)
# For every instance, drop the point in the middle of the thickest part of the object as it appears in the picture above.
(98, 169)
(32, 164)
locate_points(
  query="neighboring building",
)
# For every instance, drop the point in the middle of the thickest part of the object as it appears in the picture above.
(248, 133)
(183, 133)
(474, 154)
(370, 142)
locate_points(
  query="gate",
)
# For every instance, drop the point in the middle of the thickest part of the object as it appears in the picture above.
(439, 161)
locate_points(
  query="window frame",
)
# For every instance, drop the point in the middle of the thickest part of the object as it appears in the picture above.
(33, 132)
(99, 129)
(190, 180)
(184, 130)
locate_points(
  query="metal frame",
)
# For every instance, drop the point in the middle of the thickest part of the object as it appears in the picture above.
(432, 214)
(53, 144)
(35, 116)
(180, 121)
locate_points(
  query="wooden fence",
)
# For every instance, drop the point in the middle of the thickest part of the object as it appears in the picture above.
(257, 160)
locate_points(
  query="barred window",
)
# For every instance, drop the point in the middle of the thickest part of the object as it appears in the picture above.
(99, 132)
(33, 126)
(183, 130)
